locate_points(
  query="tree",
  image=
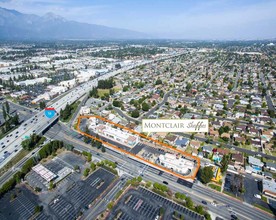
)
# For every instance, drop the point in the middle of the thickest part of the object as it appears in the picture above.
(38, 209)
(86, 172)
(207, 216)
(86, 139)
(145, 106)
(139, 178)
(206, 174)
(158, 82)
(93, 166)
(117, 103)
(103, 149)
(76, 167)
(189, 203)
(125, 88)
(148, 184)
(7, 107)
(4, 113)
(42, 105)
(110, 205)
(189, 86)
(199, 209)
(230, 86)
(224, 163)
(51, 185)
(135, 114)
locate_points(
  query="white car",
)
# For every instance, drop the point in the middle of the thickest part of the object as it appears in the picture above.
(214, 204)
(257, 196)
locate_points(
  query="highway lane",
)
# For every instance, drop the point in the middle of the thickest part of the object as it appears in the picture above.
(103, 201)
(197, 193)
(7, 175)
(38, 122)
(134, 168)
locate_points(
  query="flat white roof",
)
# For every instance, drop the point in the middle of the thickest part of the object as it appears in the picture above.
(181, 163)
(44, 172)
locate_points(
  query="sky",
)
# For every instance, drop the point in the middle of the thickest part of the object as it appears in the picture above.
(179, 19)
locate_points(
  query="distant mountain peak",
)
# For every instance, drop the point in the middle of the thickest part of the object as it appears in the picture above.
(52, 16)
(18, 26)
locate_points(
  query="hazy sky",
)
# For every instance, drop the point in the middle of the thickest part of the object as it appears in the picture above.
(187, 19)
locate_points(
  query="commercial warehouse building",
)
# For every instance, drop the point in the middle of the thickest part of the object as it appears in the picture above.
(116, 134)
(175, 163)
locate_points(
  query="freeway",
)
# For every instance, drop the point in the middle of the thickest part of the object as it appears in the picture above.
(135, 168)
(39, 122)
(11, 144)
(7, 175)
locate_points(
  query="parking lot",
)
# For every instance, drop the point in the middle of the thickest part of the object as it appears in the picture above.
(66, 159)
(143, 204)
(81, 194)
(253, 186)
(233, 184)
(23, 113)
(21, 207)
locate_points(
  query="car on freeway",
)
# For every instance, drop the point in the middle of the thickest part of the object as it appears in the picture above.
(165, 182)
(204, 202)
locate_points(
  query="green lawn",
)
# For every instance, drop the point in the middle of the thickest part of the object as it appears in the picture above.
(21, 154)
(75, 106)
(232, 195)
(215, 187)
(101, 92)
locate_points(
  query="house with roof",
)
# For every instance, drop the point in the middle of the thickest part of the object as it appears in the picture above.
(216, 124)
(255, 165)
(182, 142)
(256, 142)
(253, 131)
(195, 144)
(170, 139)
(221, 152)
(241, 128)
(213, 133)
(207, 150)
(226, 135)
(237, 161)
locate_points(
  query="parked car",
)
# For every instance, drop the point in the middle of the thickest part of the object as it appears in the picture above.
(257, 196)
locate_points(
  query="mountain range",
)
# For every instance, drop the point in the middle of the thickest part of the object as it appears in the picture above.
(18, 26)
